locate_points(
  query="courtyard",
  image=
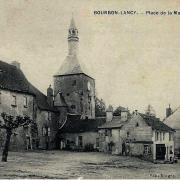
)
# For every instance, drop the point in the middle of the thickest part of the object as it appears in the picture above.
(64, 164)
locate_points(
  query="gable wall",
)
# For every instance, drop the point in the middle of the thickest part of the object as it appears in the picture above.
(141, 133)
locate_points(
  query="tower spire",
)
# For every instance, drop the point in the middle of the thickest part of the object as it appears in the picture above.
(73, 32)
(73, 38)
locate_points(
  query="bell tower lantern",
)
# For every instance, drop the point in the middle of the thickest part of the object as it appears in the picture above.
(73, 38)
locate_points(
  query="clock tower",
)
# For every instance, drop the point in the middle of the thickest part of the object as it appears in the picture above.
(73, 81)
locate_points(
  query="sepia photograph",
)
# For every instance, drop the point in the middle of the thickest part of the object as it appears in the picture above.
(89, 89)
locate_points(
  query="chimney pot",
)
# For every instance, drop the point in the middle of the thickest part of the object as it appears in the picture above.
(17, 64)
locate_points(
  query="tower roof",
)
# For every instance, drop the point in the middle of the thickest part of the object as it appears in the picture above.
(72, 24)
(71, 65)
(59, 100)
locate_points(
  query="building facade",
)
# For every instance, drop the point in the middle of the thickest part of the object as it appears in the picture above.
(173, 120)
(140, 135)
(18, 97)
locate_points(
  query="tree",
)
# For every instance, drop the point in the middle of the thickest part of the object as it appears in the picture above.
(150, 111)
(9, 123)
(119, 109)
(100, 107)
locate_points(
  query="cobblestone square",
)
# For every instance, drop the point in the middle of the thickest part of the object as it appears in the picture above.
(63, 164)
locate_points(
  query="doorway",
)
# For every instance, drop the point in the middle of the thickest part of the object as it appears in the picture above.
(160, 151)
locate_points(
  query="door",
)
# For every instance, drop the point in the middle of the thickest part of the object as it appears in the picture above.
(160, 151)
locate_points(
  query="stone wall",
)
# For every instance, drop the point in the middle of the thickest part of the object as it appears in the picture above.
(18, 139)
(87, 138)
(47, 129)
(79, 98)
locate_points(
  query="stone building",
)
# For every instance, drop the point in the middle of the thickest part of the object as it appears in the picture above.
(76, 88)
(140, 135)
(73, 81)
(173, 120)
(19, 97)
(149, 138)
(110, 133)
(79, 134)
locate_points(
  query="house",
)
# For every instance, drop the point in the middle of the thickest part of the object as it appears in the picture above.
(173, 120)
(148, 137)
(110, 133)
(139, 135)
(80, 134)
(19, 97)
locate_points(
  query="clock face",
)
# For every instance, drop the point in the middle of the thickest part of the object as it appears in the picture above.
(88, 86)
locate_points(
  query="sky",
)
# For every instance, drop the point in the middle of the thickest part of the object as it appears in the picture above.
(134, 59)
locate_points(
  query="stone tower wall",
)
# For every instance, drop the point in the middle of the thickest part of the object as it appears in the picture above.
(74, 88)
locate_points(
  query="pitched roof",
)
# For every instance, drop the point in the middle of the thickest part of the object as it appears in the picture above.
(117, 122)
(13, 79)
(41, 99)
(112, 125)
(72, 65)
(59, 100)
(72, 24)
(174, 119)
(76, 125)
(155, 123)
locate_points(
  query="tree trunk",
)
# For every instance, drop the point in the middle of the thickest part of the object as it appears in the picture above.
(6, 146)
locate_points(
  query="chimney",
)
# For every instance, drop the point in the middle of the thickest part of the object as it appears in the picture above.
(50, 96)
(109, 113)
(136, 112)
(17, 64)
(168, 111)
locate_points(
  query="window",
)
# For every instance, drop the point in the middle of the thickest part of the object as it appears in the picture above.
(163, 136)
(157, 136)
(89, 98)
(160, 136)
(106, 132)
(49, 131)
(110, 132)
(14, 103)
(49, 116)
(25, 102)
(137, 124)
(170, 150)
(0, 97)
(170, 136)
(147, 149)
(74, 83)
(73, 107)
(44, 131)
(80, 141)
(97, 142)
(127, 134)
